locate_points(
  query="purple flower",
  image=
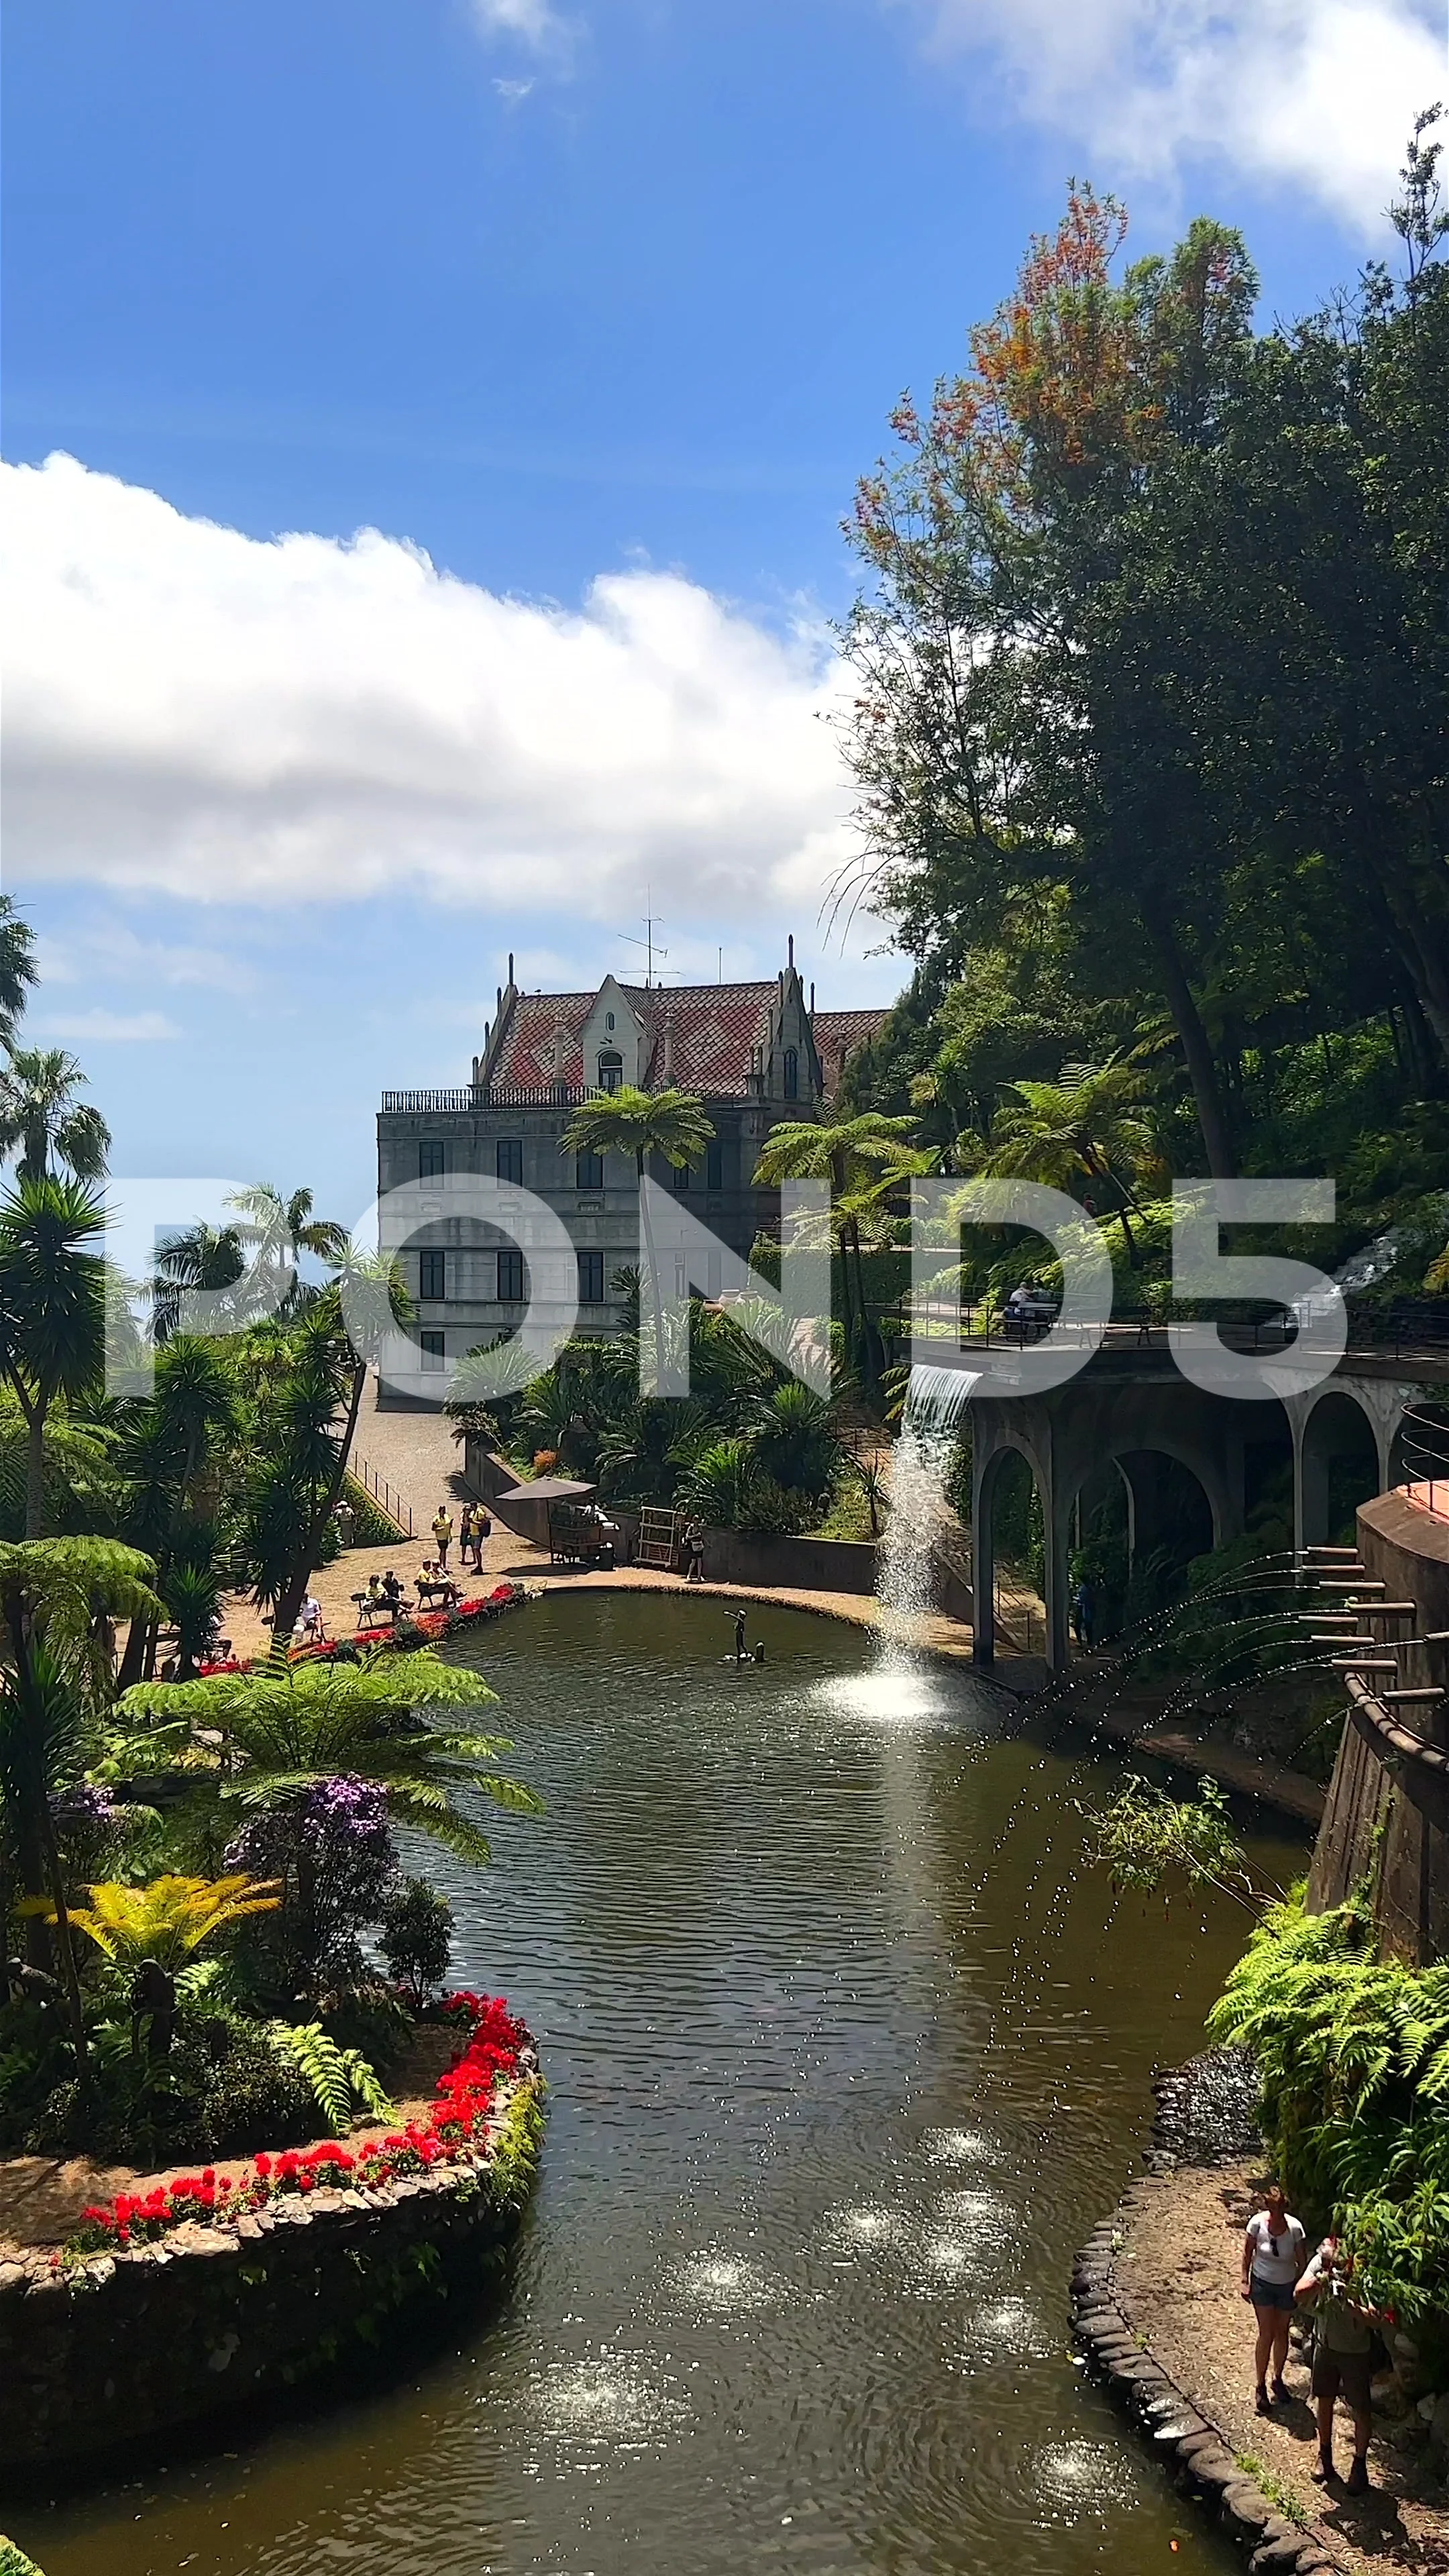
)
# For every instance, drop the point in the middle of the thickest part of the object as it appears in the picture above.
(332, 1847)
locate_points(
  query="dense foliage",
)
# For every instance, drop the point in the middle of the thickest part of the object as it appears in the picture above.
(1149, 726)
(1353, 2051)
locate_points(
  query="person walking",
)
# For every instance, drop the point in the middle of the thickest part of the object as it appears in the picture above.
(443, 1534)
(1275, 2247)
(1342, 2358)
(694, 1553)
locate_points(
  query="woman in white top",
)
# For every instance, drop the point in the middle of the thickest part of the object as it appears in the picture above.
(1275, 2248)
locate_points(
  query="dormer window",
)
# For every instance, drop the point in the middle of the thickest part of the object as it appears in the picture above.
(609, 1021)
(611, 1069)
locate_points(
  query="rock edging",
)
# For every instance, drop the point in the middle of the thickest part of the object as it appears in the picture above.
(110, 2350)
(1192, 2448)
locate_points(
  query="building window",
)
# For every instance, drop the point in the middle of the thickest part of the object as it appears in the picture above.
(611, 1069)
(432, 1158)
(589, 1172)
(510, 1160)
(792, 1074)
(433, 1350)
(591, 1278)
(510, 1278)
(714, 1164)
(609, 1022)
(680, 1175)
(432, 1275)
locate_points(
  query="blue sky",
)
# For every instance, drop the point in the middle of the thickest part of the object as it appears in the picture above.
(600, 309)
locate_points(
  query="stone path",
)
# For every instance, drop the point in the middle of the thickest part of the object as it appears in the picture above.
(1178, 2273)
(417, 1454)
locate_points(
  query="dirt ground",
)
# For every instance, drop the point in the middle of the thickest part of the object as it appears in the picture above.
(42, 2197)
(1179, 2273)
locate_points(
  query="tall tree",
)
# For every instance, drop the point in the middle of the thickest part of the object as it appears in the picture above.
(41, 1115)
(670, 1124)
(18, 971)
(853, 1155)
(52, 1310)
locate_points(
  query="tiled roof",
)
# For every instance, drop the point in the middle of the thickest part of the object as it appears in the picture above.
(705, 1031)
(837, 1035)
(529, 1057)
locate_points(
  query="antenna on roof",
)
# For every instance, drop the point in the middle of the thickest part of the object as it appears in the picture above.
(791, 945)
(510, 965)
(651, 924)
(719, 979)
(812, 1000)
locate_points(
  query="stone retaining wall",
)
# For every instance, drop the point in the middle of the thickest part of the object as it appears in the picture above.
(1192, 2450)
(105, 2353)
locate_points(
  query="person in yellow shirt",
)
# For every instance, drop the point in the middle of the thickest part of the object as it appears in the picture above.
(443, 1533)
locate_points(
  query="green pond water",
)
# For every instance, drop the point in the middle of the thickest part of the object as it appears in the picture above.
(848, 2054)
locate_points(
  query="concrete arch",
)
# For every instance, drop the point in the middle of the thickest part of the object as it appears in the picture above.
(989, 1455)
(1383, 1402)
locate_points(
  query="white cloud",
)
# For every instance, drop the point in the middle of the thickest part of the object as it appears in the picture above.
(109, 1028)
(1316, 93)
(514, 92)
(113, 950)
(534, 23)
(195, 712)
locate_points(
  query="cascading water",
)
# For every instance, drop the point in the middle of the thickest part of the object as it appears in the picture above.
(919, 1518)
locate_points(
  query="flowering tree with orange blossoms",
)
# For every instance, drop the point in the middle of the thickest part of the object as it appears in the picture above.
(980, 725)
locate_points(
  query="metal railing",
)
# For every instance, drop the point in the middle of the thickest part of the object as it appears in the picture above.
(1406, 1328)
(467, 1101)
(383, 1494)
(1424, 1450)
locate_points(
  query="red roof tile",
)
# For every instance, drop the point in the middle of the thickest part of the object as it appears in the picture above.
(837, 1035)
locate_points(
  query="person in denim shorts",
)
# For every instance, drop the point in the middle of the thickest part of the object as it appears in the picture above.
(1274, 2247)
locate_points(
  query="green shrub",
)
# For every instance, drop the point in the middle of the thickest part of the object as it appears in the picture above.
(1353, 2053)
(417, 1936)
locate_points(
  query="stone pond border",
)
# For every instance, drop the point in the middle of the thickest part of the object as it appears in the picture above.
(104, 2352)
(1190, 2447)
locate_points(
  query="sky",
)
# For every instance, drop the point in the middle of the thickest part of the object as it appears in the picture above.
(427, 426)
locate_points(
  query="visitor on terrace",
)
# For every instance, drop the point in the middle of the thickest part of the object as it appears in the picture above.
(1274, 2248)
(443, 1534)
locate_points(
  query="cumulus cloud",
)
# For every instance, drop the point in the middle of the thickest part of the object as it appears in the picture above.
(1317, 93)
(193, 711)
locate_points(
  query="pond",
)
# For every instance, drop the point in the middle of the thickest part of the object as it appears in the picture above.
(848, 2054)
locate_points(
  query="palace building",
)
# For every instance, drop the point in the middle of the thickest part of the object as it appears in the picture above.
(756, 1054)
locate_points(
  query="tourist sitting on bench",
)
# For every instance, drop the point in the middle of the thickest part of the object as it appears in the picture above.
(433, 1584)
(373, 1605)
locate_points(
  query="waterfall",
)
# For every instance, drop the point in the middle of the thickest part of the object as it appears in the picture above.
(936, 1400)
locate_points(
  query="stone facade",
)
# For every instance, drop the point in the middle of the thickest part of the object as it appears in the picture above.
(755, 1053)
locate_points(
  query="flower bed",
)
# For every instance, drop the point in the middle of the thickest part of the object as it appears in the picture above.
(423, 1628)
(457, 2124)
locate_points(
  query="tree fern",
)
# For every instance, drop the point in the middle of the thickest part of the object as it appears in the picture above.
(339, 2077)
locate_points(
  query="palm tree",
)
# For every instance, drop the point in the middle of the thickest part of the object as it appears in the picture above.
(1086, 1124)
(39, 1113)
(796, 1440)
(54, 1593)
(671, 1124)
(851, 1155)
(17, 966)
(203, 1260)
(52, 1310)
(293, 1727)
(277, 1229)
(302, 1479)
